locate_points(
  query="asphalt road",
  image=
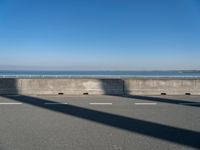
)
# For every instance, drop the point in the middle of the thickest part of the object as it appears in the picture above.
(99, 122)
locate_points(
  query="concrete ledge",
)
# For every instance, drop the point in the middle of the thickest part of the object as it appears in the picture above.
(63, 86)
(80, 86)
(168, 86)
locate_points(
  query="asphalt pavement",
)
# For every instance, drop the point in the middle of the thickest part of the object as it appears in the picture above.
(99, 122)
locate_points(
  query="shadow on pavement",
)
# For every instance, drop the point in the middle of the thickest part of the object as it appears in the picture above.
(151, 129)
(164, 100)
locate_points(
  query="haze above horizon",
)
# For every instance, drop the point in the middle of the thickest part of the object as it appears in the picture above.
(99, 35)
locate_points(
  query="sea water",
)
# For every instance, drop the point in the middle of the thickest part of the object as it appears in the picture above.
(94, 74)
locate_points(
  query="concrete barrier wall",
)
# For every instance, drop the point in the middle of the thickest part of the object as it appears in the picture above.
(156, 86)
(9, 86)
(65, 86)
(129, 86)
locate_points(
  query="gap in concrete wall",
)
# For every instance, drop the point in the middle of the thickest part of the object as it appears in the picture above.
(187, 93)
(61, 93)
(163, 94)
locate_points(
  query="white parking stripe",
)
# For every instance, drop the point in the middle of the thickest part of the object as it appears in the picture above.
(10, 103)
(55, 103)
(145, 103)
(100, 103)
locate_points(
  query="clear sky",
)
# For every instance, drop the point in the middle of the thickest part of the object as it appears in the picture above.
(100, 34)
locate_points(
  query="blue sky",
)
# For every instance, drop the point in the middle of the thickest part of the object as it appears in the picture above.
(99, 34)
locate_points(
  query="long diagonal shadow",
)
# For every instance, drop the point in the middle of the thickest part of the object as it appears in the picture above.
(164, 100)
(159, 131)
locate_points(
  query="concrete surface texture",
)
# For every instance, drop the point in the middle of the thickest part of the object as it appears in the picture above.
(62, 86)
(130, 86)
(99, 122)
(162, 86)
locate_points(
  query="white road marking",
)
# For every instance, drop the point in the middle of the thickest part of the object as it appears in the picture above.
(10, 103)
(55, 103)
(145, 103)
(100, 103)
(197, 103)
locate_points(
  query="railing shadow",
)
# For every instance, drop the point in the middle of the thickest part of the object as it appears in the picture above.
(163, 132)
(112, 86)
(158, 99)
(164, 100)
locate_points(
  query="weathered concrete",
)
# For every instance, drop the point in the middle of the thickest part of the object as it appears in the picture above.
(77, 86)
(65, 86)
(156, 86)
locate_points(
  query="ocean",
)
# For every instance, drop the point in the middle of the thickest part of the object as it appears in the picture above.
(98, 74)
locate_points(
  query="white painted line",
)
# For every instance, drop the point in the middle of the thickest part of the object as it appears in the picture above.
(145, 103)
(197, 103)
(10, 103)
(100, 103)
(55, 103)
